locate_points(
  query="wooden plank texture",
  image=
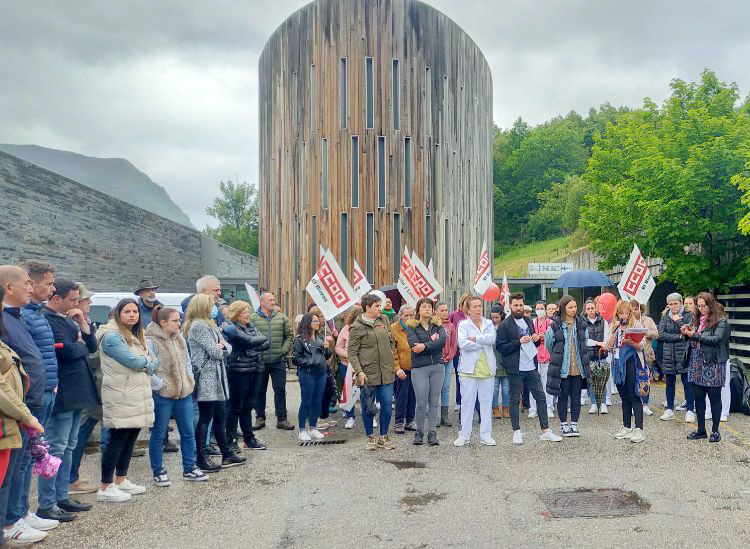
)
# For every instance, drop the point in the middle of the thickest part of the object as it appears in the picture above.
(445, 103)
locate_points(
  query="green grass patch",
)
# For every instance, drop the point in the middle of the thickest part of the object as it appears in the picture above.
(515, 262)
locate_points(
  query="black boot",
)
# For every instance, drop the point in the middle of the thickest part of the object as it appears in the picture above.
(418, 437)
(205, 463)
(445, 417)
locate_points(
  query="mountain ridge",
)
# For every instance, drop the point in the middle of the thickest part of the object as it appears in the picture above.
(116, 177)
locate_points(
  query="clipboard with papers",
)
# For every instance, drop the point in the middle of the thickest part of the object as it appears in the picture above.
(635, 334)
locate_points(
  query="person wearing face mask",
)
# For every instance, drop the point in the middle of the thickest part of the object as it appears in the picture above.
(596, 348)
(627, 359)
(516, 342)
(541, 324)
(674, 346)
(406, 400)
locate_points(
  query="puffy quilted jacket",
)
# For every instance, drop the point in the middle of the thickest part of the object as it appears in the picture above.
(279, 333)
(41, 332)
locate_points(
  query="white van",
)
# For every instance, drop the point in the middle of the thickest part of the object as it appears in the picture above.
(103, 302)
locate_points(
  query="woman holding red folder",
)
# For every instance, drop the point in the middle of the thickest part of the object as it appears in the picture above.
(627, 360)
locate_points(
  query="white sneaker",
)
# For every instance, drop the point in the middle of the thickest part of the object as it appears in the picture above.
(314, 433)
(22, 533)
(614, 391)
(460, 441)
(583, 401)
(681, 407)
(517, 437)
(130, 488)
(608, 403)
(488, 441)
(457, 408)
(112, 494)
(374, 422)
(592, 410)
(533, 414)
(724, 418)
(603, 409)
(624, 433)
(647, 410)
(549, 436)
(690, 417)
(41, 524)
(667, 415)
(349, 423)
(303, 436)
(637, 435)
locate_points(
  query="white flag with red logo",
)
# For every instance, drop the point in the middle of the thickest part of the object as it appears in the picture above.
(637, 282)
(483, 279)
(329, 288)
(415, 280)
(349, 391)
(505, 295)
(361, 285)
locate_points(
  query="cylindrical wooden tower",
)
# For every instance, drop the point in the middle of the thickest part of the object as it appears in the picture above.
(375, 134)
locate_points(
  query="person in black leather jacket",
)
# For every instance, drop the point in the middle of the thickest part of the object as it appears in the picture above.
(309, 354)
(706, 357)
(244, 372)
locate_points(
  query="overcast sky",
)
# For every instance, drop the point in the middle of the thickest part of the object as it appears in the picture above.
(172, 86)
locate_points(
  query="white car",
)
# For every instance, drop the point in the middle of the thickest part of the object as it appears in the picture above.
(103, 302)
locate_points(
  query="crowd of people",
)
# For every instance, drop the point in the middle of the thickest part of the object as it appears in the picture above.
(208, 366)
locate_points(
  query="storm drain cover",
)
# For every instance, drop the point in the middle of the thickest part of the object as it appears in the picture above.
(593, 502)
(323, 442)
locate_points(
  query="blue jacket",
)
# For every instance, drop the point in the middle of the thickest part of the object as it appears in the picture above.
(114, 345)
(77, 389)
(18, 338)
(41, 332)
(146, 311)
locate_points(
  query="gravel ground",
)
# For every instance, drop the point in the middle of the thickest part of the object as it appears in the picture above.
(694, 494)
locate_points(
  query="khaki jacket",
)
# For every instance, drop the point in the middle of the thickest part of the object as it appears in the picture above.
(401, 349)
(127, 402)
(370, 350)
(13, 383)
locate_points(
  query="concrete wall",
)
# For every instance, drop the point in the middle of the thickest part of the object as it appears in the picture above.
(98, 239)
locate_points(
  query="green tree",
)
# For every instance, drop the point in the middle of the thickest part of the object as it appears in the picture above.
(662, 178)
(236, 210)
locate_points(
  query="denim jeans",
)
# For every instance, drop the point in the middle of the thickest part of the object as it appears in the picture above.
(182, 408)
(505, 384)
(311, 385)
(384, 395)
(84, 433)
(671, 383)
(18, 502)
(445, 393)
(14, 464)
(406, 400)
(62, 434)
(342, 375)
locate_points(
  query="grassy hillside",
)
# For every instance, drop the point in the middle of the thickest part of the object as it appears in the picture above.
(515, 262)
(114, 176)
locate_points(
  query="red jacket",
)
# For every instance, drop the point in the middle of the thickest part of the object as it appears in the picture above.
(540, 327)
(451, 341)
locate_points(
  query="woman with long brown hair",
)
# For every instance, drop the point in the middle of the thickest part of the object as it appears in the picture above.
(706, 358)
(127, 402)
(627, 359)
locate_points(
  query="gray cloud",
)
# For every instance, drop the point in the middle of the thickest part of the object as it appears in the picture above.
(173, 86)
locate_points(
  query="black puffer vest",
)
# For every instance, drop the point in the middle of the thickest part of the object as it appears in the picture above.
(596, 332)
(558, 347)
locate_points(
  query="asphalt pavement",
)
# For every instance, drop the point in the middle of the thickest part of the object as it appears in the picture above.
(687, 493)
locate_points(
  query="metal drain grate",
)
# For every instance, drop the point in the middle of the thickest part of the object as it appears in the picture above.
(596, 502)
(322, 442)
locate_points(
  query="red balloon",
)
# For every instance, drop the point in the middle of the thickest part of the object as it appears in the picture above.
(492, 293)
(606, 305)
